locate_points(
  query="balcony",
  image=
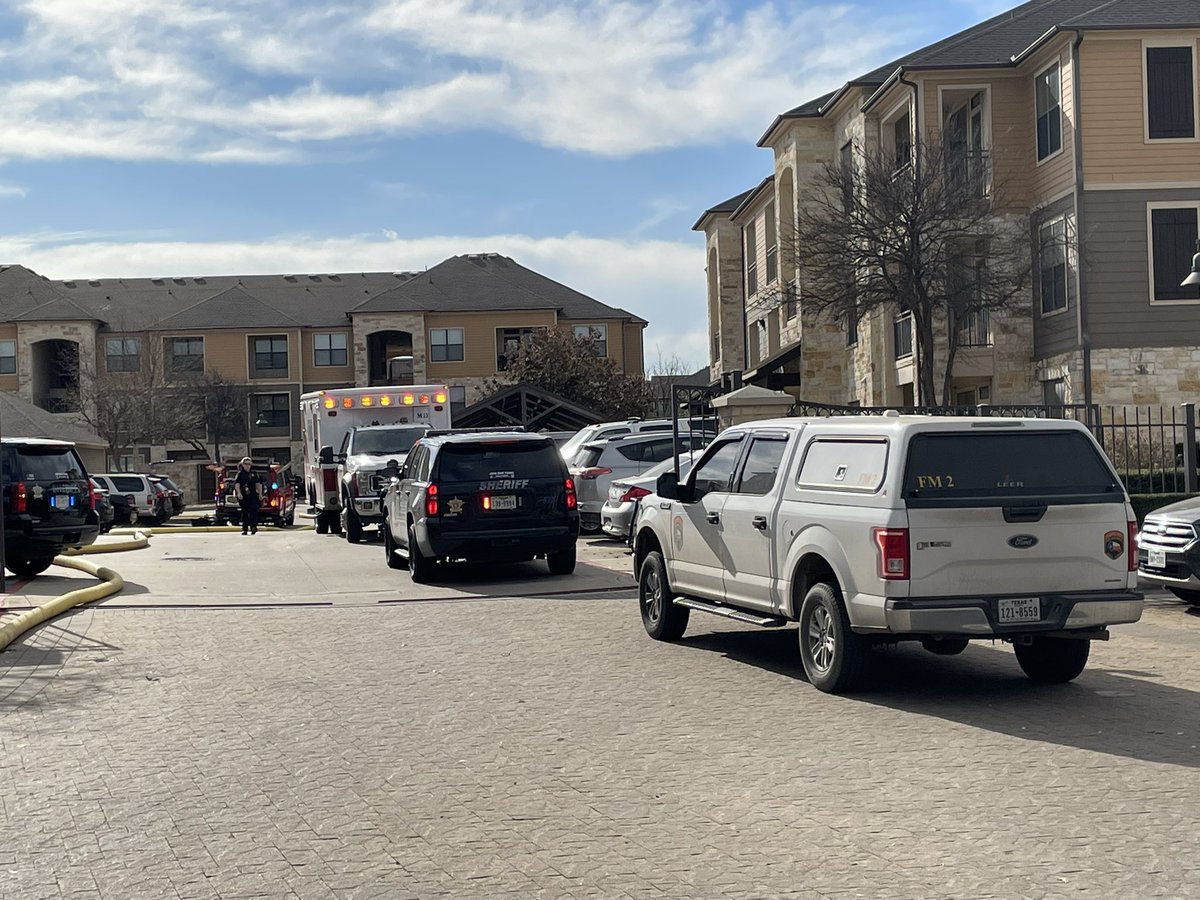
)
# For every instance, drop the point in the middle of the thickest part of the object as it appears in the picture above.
(975, 329)
(902, 336)
(970, 172)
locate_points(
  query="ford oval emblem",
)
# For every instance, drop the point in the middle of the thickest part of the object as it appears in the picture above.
(1022, 541)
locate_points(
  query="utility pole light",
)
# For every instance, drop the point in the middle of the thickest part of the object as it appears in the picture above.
(1194, 276)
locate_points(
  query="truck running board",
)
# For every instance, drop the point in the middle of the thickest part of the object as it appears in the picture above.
(730, 613)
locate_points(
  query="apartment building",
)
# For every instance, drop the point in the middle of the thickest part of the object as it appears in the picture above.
(1081, 114)
(284, 335)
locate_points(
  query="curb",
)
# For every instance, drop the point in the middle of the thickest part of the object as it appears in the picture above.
(111, 582)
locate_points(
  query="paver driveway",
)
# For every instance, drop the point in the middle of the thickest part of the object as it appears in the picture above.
(545, 747)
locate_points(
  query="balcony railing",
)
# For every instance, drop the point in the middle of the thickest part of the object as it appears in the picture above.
(902, 335)
(975, 329)
(970, 171)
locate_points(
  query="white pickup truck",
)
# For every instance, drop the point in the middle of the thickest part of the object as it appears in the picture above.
(877, 529)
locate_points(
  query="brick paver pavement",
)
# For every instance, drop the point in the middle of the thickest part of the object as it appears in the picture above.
(546, 747)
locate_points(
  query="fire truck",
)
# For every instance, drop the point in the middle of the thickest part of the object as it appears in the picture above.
(327, 417)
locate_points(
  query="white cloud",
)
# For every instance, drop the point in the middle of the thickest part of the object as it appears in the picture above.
(660, 281)
(252, 81)
(12, 190)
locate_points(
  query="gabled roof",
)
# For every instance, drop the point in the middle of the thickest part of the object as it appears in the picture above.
(1003, 40)
(22, 290)
(55, 309)
(233, 306)
(724, 208)
(481, 282)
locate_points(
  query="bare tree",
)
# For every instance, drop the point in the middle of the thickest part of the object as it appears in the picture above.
(662, 375)
(219, 411)
(932, 238)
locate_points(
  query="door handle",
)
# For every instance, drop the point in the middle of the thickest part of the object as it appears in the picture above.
(759, 522)
(714, 518)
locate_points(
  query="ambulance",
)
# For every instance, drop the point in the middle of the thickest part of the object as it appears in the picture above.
(327, 417)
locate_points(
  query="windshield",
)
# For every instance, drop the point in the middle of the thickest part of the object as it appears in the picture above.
(381, 441)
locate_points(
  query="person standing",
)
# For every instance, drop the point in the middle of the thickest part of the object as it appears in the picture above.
(248, 487)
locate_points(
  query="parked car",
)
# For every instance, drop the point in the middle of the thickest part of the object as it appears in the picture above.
(146, 501)
(620, 510)
(1169, 549)
(278, 506)
(174, 493)
(481, 497)
(605, 430)
(48, 503)
(878, 529)
(102, 505)
(599, 463)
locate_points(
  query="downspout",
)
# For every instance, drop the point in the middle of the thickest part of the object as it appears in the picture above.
(1085, 339)
(916, 138)
(745, 300)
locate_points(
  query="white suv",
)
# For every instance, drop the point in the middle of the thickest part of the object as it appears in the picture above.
(876, 529)
(603, 431)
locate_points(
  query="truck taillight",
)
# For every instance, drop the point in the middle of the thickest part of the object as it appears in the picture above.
(893, 552)
(1132, 548)
(431, 500)
(572, 499)
(329, 480)
(20, 498)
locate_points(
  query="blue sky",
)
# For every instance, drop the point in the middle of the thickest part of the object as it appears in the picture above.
(581, 138)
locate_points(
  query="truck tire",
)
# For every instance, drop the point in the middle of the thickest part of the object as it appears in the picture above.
(420, 566)
(351, 524)
(562, 562)
(322, 522)
(835, 658)
(1192, 597)
(662, 619)
(1053, 660)
(394, 561)
(28, 566)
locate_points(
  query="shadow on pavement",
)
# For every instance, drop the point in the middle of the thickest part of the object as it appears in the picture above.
(1104, 710)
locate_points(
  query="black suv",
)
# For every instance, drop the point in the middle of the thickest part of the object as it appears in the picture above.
(489, 497)
(48, 503)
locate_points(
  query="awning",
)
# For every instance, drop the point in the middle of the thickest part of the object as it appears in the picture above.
(768, 365)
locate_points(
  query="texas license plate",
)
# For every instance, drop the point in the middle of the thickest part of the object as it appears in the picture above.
(1020, 609)
(1158, 559)
(505, 501)
(62, 501)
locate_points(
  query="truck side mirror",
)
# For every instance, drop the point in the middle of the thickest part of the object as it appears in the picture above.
(667, 486)
(391, 470)
(325, 457)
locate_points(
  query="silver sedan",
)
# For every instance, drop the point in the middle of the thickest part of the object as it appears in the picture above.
(620, 510)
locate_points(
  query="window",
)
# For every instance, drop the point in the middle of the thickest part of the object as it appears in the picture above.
(902, 335)
(714, 473)
(123, 354)
(1047, 89)
(597, 334)
(445, 344)
(330, 349)
(850, 465)
(508, 341)
(846, 158)
(1170, 93)
(763, 341)
(852, 322)
(271, 354)
(186, 355)
(458, 397)
(1173, 233)
(8, 357)
(902, 137)
(762, 465)
(272, 410)
(1054, 392)
(751, 260)
(772, 245)
(1052, 266)
(716, 346)
(789, 301)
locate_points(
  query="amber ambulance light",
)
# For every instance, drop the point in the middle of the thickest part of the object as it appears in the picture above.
(328, 403)
(408, 399)
(892, 544)
(385, 400)
(348, 402)
(367, 401)
(439, 397)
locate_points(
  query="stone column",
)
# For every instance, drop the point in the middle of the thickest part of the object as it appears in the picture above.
(750, 404)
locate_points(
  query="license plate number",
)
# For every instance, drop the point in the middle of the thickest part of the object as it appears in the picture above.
(1158, 559)
(507, 501)
(1020, 609)
(61, 501)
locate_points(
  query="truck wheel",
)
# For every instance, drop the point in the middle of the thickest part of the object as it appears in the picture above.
(27, 567)
(1053, 660)
(394, 561)
(663, 620)
(1192, 597)
(322, 522)
(351, 524)
(835, 658)
(420, 566)
(945, 646)
(562, 562)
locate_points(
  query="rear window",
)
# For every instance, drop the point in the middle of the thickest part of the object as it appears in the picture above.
(43, 464)
(1001, 466)
(588, 457)
(126, 484)
(487, 462)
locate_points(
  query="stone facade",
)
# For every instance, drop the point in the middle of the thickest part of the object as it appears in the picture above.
(82, 333)
(725, 300)
(366, 324)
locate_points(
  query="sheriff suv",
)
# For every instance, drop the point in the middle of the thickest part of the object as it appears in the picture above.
(491, 496)
(48, 503)
(878, 529)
